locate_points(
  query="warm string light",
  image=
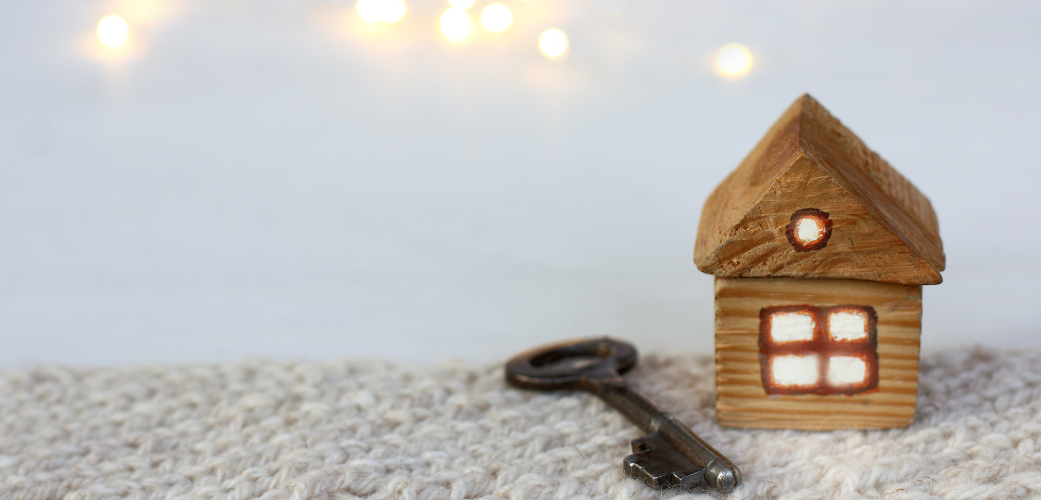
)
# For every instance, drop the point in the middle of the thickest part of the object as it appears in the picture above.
(455, 24)
(496, 17)
(733, 60)
(113, 31)
(374, 11)
(553, 42)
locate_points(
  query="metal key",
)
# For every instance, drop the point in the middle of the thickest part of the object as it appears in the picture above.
(670, 455)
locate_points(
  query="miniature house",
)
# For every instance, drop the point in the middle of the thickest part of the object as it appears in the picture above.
(820, 250)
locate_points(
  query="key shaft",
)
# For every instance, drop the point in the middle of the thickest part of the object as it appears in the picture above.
(720, 473)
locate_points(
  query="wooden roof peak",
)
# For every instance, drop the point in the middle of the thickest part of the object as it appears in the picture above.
(884, 228)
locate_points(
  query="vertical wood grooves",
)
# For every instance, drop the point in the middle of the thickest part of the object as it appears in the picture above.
(741, 400)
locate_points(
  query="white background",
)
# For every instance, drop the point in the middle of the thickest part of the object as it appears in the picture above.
(280, 179)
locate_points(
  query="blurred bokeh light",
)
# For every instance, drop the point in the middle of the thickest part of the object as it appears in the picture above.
(300, 178)
(496, 17)
(733, 60)
(113, 31)
(374, 11)
(461, 4)
(455, 24)
(553, 42)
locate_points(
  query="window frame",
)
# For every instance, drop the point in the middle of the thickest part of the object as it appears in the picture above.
(821, 217)
(821, 345)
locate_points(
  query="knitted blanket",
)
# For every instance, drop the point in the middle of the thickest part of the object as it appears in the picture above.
(372, 429)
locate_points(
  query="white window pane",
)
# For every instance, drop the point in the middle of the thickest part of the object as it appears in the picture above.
(846, 370)
(791, 326)
(791, 370)
(847, 325)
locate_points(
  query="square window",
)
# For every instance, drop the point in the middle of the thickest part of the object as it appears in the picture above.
(847, 370)
(791, 370)
(793, 326)
(806, 349)
(848, 324)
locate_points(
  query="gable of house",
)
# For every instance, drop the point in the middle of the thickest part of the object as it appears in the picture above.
(874, 224)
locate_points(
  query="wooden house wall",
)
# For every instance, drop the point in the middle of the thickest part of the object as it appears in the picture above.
(741, 400)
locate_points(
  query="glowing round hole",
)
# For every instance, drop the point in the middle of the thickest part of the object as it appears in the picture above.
(809, 229)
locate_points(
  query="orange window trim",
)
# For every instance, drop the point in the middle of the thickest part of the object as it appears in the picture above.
(823, 346)
(821, 217)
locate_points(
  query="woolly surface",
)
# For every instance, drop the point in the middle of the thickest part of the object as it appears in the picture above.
(382, 430)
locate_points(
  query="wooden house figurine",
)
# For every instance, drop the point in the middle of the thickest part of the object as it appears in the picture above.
(820, 250)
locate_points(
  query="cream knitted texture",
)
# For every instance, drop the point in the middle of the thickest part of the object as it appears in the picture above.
(382, 430)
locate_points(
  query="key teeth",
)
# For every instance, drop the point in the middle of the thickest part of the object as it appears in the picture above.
(645, 468)
(659, 466)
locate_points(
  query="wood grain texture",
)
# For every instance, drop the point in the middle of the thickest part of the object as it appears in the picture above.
(884, 228)
(860, 247)
(741, 400)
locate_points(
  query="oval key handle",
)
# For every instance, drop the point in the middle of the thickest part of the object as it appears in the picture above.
(571, 364)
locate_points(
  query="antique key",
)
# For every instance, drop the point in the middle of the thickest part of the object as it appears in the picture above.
(670, 455)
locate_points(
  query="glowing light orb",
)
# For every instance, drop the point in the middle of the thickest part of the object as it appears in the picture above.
(374, 11)
(553, 42)
(395, 10)
(496, 17)
(113, 31)
(733, 60)
(455, 24)
(809, 230)
(461, 4)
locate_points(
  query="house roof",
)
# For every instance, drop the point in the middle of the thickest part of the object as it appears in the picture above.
(881, 228)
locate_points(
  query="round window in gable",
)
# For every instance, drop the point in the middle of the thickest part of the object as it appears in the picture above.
(809, 229)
